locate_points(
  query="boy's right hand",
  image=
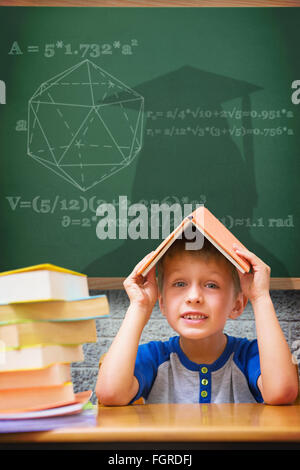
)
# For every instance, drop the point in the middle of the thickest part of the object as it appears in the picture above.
(142, 291)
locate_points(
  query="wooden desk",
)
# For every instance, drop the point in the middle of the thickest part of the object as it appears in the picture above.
(185, 426)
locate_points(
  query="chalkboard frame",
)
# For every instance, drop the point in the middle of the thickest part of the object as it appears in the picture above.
(108, 283)
(152, 3)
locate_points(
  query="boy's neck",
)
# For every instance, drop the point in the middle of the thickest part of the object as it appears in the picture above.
(204, 351)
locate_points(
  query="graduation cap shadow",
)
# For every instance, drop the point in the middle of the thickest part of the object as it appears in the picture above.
(183, 167)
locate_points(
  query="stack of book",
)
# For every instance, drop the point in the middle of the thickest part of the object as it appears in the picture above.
(46, 315)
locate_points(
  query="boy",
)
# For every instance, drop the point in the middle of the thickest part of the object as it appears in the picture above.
(197, 291)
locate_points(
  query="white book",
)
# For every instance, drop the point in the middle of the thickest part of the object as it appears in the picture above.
(39, 356)
(42, 282)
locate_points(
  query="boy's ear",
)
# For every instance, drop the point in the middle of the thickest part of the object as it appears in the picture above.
(239, 306)
(161, 303)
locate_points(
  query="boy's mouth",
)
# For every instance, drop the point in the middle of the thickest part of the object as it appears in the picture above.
(194, 316)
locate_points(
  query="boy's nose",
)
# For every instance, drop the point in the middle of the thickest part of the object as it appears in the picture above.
(194, 295)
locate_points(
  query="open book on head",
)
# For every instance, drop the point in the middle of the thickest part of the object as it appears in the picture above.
(208, 226)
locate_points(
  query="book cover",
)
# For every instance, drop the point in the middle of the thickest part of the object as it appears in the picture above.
(41, 267)
(211, 228)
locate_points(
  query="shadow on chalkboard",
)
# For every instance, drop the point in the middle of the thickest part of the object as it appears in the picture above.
(193, 150)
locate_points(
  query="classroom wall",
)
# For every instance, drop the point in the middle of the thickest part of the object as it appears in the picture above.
(84, 374)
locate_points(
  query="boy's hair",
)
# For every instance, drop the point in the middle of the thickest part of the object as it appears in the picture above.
(207, 252)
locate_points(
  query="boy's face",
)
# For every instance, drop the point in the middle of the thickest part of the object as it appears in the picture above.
(198, 296)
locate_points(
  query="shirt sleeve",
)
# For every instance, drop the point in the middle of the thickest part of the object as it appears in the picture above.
(248, 356)
(149, 357)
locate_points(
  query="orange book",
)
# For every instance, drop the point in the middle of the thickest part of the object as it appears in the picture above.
(56, 374)
(212, 229)
(81, 399)
(36, 398)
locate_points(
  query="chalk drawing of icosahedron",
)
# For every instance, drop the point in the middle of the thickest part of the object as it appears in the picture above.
(85, 125)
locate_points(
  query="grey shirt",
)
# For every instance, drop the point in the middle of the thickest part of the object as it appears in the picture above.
(166, 375)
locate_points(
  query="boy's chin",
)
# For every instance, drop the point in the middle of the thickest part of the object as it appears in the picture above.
(198, 334)
(193, 335)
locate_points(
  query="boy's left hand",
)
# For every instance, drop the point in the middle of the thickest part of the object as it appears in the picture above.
(255, 284)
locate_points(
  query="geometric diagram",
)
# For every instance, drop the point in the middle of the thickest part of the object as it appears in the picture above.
(85, 125)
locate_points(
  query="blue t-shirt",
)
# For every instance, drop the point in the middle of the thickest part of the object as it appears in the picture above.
(166, 375)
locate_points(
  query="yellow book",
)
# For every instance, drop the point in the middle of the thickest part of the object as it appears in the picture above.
(33, 333)
(38, 267)
(87, 308)
(42, 282)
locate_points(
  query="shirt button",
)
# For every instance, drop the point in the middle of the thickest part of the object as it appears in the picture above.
(204, 381)
(204, 394)
(204, 370)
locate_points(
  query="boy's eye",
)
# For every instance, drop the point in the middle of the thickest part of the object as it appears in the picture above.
(212, 285)
(179, 284)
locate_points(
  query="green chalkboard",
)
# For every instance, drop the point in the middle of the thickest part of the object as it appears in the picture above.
(106, 114)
